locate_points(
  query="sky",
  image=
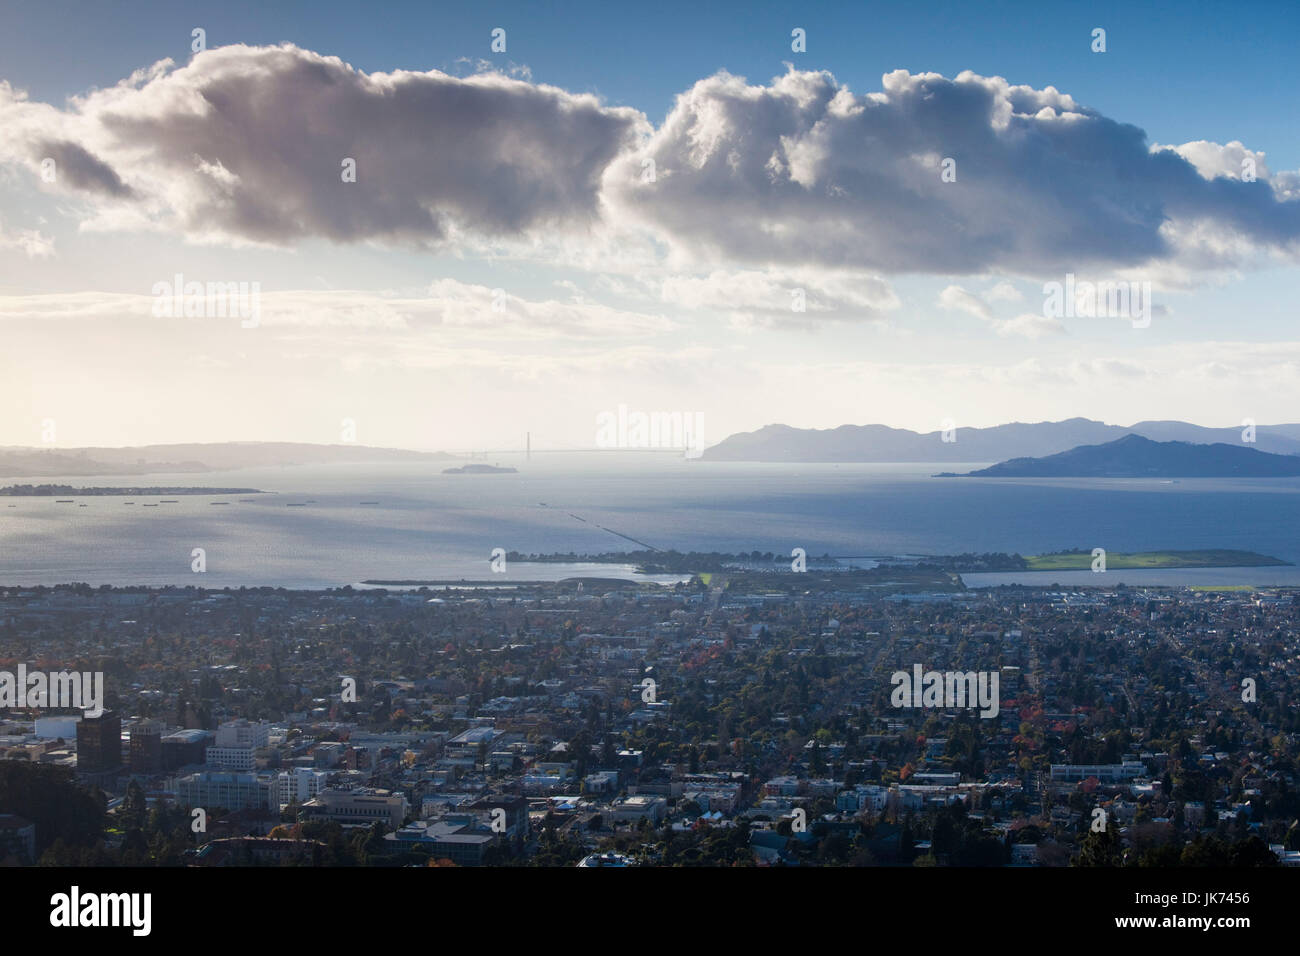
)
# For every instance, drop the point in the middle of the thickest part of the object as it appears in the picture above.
(745, 214)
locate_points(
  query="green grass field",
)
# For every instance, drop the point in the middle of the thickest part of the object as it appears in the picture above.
(1120, 561)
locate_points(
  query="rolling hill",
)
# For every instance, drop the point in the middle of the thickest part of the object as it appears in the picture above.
(1136, 457)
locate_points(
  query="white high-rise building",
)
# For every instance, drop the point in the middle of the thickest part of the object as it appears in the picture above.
(242, 733)
(233, 791)
(300, 785)
(237, 744)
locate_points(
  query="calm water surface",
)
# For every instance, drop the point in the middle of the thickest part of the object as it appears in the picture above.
(429, 525)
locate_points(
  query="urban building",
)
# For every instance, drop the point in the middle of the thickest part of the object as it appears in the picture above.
(232, 791)
(99, 744)
(146, 747)
(357, 806)
(185, 748)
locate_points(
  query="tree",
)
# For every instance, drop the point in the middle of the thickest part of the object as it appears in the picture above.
(51, 798)
(818, 761)
(1102, 849)
(1208, 852)
(1251, 851)
(1292, 839)
(135, 808)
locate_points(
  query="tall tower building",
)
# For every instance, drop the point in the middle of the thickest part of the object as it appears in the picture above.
(146, 747)
(99, 743)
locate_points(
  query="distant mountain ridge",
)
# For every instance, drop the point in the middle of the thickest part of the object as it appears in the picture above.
(880, 443)
(22, 462)
(1136, 457)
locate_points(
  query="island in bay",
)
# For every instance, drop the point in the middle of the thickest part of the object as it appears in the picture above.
(901, 573)
(49, 491)
(480, 470)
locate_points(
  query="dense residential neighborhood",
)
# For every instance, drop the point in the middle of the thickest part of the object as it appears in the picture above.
(600, 723)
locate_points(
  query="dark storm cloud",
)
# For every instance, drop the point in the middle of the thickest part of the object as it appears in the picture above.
(804, 171)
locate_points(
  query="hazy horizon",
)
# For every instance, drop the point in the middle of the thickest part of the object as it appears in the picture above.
(520, 448)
